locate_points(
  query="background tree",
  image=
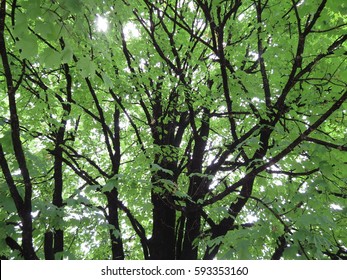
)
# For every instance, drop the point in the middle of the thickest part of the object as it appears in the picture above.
(173, 129)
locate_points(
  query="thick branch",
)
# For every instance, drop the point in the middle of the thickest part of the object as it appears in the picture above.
(17, 199)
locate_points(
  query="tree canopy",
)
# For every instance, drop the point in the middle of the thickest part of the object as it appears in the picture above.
(173, 129)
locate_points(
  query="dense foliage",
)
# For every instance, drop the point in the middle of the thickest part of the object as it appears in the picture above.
(173, 129)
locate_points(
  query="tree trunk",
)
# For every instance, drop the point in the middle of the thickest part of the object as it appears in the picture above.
(162, 243)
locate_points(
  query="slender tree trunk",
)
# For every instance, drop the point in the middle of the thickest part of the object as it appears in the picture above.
(58, 233)
(24, 206)
(112, 196)
(27, 236)
(115, 231)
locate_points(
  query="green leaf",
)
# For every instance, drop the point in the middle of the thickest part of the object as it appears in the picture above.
(33, 8)
(71, 202)
(27, 46)
(326, 167)
(9, 205)
(74, 6)
(201, 175)
(21, 26)
(50, 58)
(111, 184)
(87, 67)
(67, 55)
(306, 220)
(47, 30)
(108, 82)
(242, 247)
(155, 167)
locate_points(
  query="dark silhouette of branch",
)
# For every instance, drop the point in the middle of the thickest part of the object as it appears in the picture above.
(327, 144)
(281, 246)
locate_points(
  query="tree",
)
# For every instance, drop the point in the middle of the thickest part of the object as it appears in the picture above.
(187, 130)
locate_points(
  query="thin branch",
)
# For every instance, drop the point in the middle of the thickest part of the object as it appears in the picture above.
(265, 78)
(327, 144)
(291, 173)
(139, 229)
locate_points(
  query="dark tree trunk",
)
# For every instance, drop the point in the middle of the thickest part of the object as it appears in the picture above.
(113, 220)
(58, 234)
(112, 196)
(24, 206)
(162, 243)
(192, 227)
(48, 246)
